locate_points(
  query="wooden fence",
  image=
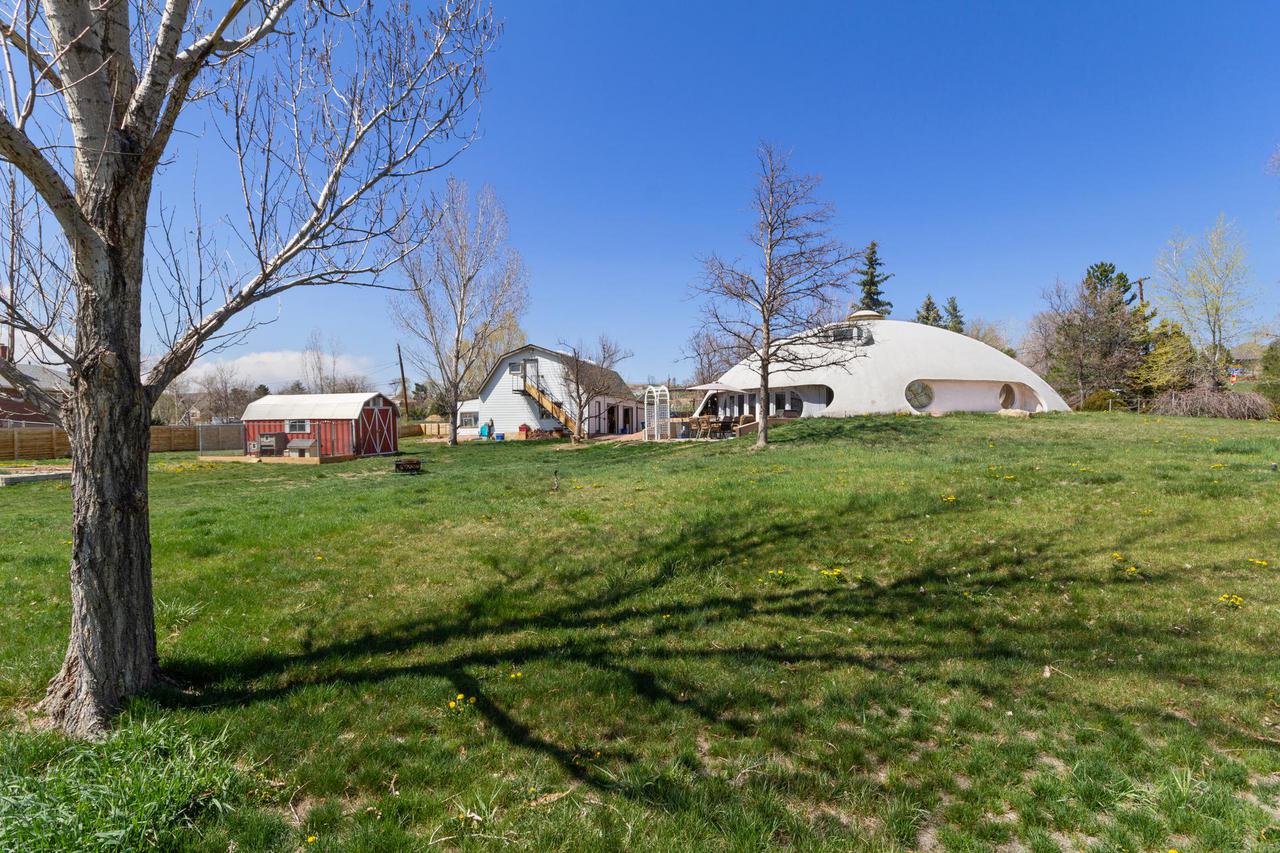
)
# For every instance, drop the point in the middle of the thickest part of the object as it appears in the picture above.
(430, 429)
(51, 442)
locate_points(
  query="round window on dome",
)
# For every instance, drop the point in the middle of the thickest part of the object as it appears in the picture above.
(919, 395)
(1007, 396)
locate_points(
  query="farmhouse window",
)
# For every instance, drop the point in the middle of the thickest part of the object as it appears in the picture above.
(297, 426)
(467, 420)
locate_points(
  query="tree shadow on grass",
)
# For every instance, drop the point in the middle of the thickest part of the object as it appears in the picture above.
(951, 624)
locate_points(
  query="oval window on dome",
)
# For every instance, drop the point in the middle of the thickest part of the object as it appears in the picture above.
(1007, 396)
(919, 395)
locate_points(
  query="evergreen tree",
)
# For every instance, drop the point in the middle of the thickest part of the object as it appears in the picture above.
(261, 391)
(1099, 333)
(871, 281)
(955, 320)
(1269, 378)
(1171, 363)
(929, 313)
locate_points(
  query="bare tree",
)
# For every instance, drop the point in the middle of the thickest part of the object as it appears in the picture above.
(591, 374)
(466, 291)
(711, 356)
(321, 367)
(1206, 286)
(990, 333)
(1092, 334)
(781, 309)
(175, 403)
(329, 117)
(224, 390)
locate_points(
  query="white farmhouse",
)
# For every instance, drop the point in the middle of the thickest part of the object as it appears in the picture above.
(896, 367)
(531, 387)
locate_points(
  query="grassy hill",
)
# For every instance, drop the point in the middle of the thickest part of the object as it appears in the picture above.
(881, 633)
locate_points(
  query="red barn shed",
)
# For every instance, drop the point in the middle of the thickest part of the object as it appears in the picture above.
(361, 424)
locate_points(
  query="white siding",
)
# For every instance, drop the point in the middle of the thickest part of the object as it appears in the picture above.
(502, 399)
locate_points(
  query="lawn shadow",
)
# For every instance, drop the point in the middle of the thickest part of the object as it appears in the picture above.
(916, 625)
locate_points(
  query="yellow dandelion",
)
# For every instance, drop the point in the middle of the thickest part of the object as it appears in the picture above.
(452, 704)
(311, 839)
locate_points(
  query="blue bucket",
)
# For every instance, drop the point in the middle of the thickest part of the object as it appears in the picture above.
(500, 436)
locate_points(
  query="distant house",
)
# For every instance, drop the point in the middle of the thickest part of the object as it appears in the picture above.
(1246, 359)
(530, 387)
(14, 410)
(325, 425)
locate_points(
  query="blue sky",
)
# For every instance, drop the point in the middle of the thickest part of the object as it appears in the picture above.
(989, 147)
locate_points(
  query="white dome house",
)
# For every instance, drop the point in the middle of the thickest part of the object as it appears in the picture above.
(896, 367)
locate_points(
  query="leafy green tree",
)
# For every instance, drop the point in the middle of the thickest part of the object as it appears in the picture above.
(1171, 363)
(871, 281)
(954, 319)
(1269, 377)
(929, 313)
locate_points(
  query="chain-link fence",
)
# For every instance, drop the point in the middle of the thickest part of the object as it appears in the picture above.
(221, 439)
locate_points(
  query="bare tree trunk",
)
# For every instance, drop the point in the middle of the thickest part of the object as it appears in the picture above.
(762, 407)
(112, 650)
(453, 419)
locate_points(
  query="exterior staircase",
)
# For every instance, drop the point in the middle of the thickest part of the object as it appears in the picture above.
(555, 407)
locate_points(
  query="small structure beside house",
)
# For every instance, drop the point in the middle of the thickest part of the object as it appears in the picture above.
(529, 387)
(321, 427)
(898, 366)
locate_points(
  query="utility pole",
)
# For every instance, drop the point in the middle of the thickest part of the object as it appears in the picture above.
(404, 385)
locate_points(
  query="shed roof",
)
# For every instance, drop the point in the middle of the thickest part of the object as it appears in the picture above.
(276, 407)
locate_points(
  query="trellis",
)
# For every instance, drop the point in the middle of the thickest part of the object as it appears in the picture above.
(657, 413)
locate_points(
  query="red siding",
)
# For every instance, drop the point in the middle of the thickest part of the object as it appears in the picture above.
(376, 431)
(334, 435)
(373, 433)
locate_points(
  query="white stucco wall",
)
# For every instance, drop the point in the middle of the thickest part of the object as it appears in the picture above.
(966, 375)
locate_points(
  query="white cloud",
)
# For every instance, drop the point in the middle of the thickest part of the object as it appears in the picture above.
(277, 368)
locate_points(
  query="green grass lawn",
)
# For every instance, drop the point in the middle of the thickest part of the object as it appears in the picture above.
(880, 633)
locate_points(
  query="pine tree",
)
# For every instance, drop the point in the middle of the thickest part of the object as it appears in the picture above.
(1101, 334)
(1171, 363)
(871, 280)
(929, 313)
(955, 320)
(1269, 384)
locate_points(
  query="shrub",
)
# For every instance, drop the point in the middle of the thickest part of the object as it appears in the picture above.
(1103, 400)
(1208, 403)
(137, 789)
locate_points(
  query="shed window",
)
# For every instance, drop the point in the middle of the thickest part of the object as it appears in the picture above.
(297, 426)
(467, 420)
